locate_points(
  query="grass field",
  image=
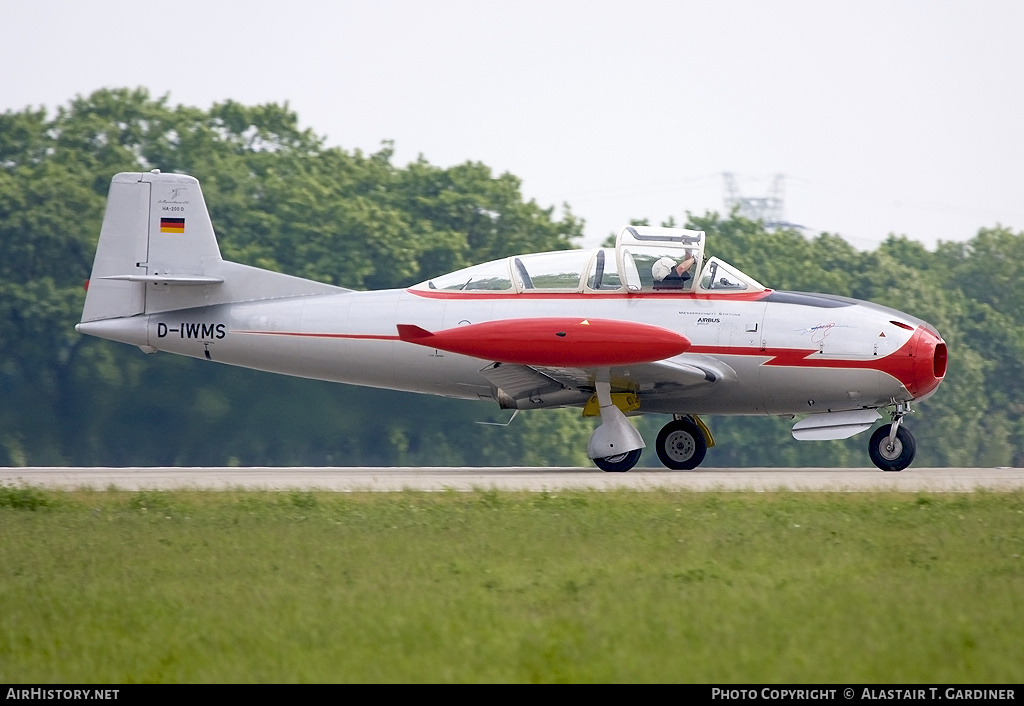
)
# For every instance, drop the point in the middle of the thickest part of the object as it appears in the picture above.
(121, 587)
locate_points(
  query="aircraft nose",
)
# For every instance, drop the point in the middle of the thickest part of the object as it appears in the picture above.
(929, 351)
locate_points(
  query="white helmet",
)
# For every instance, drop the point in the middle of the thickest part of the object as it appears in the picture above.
(662, 267)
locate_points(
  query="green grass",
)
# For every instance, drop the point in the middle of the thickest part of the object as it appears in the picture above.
(491, 586)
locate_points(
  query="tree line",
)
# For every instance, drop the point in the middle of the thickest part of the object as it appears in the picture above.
(282, 200)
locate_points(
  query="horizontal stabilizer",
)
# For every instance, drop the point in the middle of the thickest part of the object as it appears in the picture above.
(168, 279)
(834, 425)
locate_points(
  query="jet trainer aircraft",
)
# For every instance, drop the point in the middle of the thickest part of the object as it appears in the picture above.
(649, 326)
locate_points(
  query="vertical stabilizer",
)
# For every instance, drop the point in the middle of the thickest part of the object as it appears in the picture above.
(156, 232)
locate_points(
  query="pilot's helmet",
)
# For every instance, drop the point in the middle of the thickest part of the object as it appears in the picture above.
(662, 267)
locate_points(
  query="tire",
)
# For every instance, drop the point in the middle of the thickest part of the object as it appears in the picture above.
(899, 456)
(681, 445)
(619, 463)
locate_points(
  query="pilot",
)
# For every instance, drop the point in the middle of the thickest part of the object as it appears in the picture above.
(667, 274)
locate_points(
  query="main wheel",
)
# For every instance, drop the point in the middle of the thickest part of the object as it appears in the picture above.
(619, 463)
(893, 457)
(681, 445)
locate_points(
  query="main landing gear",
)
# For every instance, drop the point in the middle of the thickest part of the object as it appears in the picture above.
(681, 446)
(893, 448)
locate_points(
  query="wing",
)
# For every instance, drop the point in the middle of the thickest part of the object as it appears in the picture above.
(554, 362)
(686, 376)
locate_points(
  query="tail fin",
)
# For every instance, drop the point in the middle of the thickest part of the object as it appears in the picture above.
(158, 252)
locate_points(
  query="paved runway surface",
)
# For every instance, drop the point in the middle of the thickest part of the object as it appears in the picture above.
(530, 479)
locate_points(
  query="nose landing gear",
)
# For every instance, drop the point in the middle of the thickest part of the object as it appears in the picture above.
(893, 448)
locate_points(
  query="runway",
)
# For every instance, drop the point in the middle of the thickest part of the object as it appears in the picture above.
(522, 479)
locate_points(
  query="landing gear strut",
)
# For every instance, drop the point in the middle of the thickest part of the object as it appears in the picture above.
(616, 445)
(893, 448)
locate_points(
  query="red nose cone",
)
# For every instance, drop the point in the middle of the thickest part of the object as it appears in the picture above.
(929, 367)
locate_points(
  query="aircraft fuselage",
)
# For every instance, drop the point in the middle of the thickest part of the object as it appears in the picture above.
(782, 353)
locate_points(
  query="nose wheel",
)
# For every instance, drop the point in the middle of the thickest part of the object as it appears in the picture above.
(892, 452)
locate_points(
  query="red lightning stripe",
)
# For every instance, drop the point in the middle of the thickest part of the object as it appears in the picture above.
(903, 364)
(807, 357)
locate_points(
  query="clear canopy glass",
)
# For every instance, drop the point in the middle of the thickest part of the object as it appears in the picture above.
(644, 259)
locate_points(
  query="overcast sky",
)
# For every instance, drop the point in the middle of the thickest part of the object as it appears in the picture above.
(898, 116)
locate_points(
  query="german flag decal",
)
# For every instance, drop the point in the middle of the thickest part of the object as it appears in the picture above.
(172, 225)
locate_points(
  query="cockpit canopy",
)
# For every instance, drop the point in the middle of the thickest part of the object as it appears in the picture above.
(644, 259)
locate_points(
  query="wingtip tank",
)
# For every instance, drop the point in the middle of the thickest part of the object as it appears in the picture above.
(556, 341)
